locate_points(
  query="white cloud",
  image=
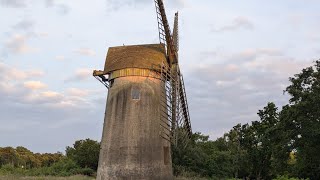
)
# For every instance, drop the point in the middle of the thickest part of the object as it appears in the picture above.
(17, 44)
(237, 23)
(80, 75)
(253, 53)
(233, 90)
(85, 51)
(15, 89)
(61, 8)
(24, 25)
(60, 58)
(14, 3)
(77, 92)
(11, 73)
(51, 94)
(34, 85)
(116, 4)
(35, 73)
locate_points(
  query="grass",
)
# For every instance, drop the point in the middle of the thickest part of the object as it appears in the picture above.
(190, 178)
(78, 177)
(15, 177)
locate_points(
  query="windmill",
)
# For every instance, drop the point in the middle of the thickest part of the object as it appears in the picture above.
(147, 110)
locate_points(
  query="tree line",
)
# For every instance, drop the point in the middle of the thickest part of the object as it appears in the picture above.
(284, 143)
(81, 158)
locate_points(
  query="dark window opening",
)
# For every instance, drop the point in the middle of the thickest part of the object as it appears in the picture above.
(135, 94)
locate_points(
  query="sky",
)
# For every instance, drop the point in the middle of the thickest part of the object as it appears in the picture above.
(236, 56)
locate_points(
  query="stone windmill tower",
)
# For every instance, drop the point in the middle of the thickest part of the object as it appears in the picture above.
(146, 107)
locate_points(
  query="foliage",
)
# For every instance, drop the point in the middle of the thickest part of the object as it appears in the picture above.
(85, 153)
(285, 142)
(24, 158)
(303, 116)
(285, 178)
(21, 161)
(17, 177)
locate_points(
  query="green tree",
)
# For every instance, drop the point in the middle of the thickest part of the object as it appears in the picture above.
(303, 116)
(85, 153)
(8, 155)
(202, 157)
(257, 142)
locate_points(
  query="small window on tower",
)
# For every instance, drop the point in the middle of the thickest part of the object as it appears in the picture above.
(135, 94)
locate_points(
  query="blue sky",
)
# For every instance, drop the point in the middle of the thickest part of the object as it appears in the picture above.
(235, 56)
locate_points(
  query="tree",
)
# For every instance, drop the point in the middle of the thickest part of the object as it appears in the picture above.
(202, 157)
(303, 116)
(8, 155)
(257, 142)
(85, 153)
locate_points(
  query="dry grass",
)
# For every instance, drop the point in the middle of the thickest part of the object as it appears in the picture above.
(190, 178)
(78, 177)
(13, 177)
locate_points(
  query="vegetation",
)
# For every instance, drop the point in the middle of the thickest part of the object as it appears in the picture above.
(282, 145)
(81, 159)
(17, 177)
(282, 142)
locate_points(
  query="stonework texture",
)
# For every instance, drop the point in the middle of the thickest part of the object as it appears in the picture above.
(131, 148)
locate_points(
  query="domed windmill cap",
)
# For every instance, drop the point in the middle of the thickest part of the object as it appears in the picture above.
(135, 56)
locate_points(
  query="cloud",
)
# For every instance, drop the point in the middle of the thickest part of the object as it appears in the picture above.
(17, 45)
(244, 55)
(181, 3)
(27, 29)
(85, 51)
(25, 25)
(34, 85)
(59, 7)
(9, 73)
(51, 94)
(49, 3)
(62, 9)
(14, 3)
(80, 75)
(77, 92)
(314, 37)
(232, 91)
(237, 23)
(60, 58)
(114, 5)
(15, 90)
(34, 73)
(250, 54)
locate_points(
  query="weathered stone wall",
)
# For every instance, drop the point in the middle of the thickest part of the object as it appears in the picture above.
(131, 147)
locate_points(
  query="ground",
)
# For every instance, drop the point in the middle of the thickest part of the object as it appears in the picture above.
(12, 177)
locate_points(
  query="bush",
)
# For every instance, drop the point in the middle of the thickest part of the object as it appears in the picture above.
(285, 178)
(6, 169)
(85, 171)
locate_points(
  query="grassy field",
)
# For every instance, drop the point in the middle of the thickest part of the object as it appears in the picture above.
(195, 178)
(78, 177)
(12, 177)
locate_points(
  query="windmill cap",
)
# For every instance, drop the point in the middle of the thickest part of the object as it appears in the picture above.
(134, 56)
